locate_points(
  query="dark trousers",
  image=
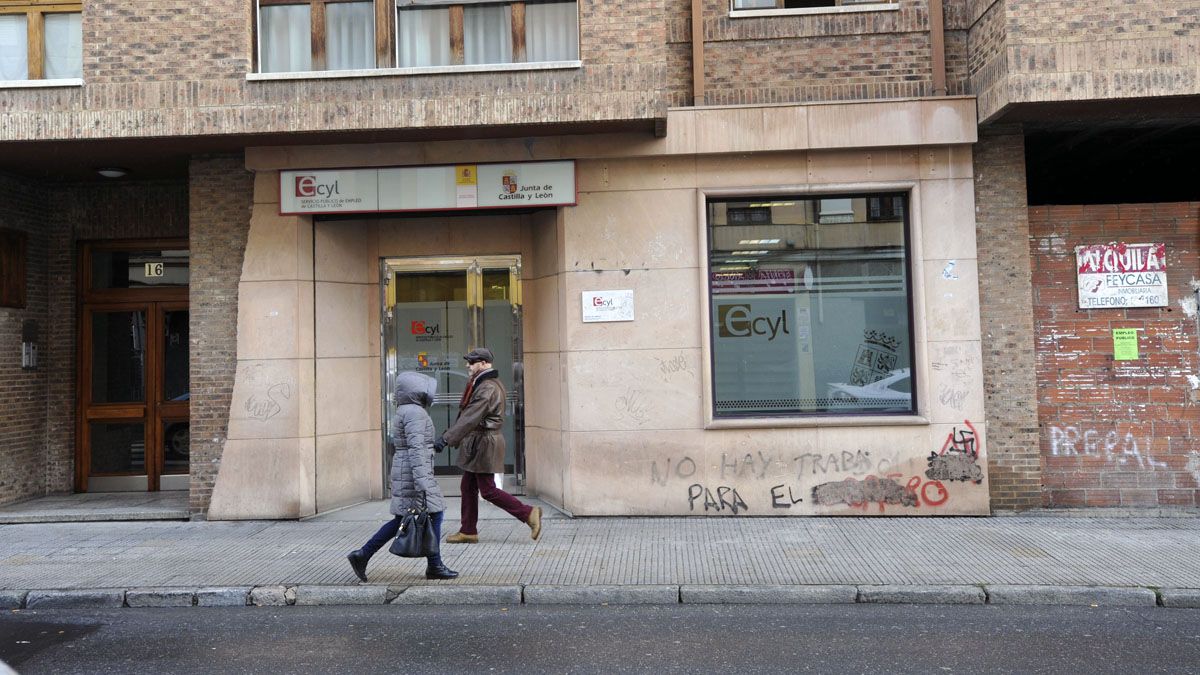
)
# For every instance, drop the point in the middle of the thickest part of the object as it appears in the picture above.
(476, 485)
(389, 530)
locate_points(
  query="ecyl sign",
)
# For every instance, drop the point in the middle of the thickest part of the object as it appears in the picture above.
(427, 188)
(607, 306)
(1118, 275)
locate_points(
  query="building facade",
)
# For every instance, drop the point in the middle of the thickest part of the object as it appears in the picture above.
(791, 268)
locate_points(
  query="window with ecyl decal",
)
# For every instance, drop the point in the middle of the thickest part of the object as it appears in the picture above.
(318, 35)
(810, 299)
(40, 40)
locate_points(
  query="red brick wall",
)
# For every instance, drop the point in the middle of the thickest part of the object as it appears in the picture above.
(1116, 433)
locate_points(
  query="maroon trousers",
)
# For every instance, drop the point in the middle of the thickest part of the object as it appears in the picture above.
(475, 485)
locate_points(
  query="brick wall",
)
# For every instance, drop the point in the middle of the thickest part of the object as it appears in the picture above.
(154, 68)
(1002, 233)
(815, 57)
(1071, 50)
(221, 195)
(23, 393)
(1116, 433)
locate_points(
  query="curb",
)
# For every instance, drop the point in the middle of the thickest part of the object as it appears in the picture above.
(649, 594)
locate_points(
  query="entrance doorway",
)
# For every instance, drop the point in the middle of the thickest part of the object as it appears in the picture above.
(133, 431)
(434, 311)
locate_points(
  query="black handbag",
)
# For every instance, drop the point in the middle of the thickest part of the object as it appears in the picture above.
(416, 538)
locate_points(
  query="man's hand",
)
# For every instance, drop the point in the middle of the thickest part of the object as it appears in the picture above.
(439, 444)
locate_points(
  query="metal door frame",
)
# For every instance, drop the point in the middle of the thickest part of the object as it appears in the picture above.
(472, 267)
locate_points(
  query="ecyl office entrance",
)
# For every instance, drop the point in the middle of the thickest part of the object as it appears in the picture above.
(435, 309)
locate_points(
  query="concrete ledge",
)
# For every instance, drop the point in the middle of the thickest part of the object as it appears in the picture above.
(272, 596)
(922, 595)
(459, 595)
(1070, 595)
(222, 596)
(12, 599)
(597, 595)
(1177, 597)
(158, 597)
(341, 595)
(767, 595)
(75, 599)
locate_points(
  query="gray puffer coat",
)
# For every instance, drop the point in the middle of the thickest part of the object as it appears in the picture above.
(412, 436)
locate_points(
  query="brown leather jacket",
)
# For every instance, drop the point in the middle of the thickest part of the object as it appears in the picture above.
(476, 433)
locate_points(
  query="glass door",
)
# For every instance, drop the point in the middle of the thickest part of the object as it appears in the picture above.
(437, 309)
(134, 380)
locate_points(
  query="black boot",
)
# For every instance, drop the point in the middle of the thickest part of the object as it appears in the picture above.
(358, 562)
(438, 570)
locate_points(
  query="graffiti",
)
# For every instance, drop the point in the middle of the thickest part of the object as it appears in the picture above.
(778, 498)
(679, 364)
(859, 494)
(268, 406)
(958, 458)
(755, 465)
(1121, 450)
(725, 498)
(857, 462)
(683, 468)
(633, 406)
(954, 398)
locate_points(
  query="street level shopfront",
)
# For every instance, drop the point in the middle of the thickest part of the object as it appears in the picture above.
(769, 311)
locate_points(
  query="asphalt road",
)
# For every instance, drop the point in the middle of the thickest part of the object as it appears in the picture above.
(606, 639)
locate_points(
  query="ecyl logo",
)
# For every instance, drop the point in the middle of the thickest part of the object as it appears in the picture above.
(307, 186)
(735, 321)
(423, 328)
(598, 301)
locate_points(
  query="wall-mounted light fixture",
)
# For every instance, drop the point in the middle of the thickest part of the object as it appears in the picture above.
(112, 171)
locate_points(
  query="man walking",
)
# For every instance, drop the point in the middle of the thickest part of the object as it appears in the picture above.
(477, 435)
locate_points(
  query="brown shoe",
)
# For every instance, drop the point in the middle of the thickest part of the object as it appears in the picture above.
(460, 538)
(535, 523)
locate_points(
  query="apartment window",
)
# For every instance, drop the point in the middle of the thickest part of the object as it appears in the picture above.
(40, 40)
(307, 35)
(430, 33)
(809, 316)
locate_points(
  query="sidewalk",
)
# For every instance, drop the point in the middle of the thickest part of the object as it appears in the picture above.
(1039, 559)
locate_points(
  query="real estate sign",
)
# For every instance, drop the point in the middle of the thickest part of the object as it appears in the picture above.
(1118, 275)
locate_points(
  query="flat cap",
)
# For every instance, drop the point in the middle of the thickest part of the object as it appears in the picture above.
(480, 354)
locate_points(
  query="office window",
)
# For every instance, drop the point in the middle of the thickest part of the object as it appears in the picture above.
(811, 307)
(482, 33)
(41, 41)
(308, 35)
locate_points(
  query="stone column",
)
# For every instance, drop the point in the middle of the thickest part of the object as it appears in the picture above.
(267, 468)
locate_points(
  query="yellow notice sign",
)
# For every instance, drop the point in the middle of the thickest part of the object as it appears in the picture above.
(1125, 344)
(466, 174)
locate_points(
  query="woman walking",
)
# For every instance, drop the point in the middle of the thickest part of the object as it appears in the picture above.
(413, 484)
